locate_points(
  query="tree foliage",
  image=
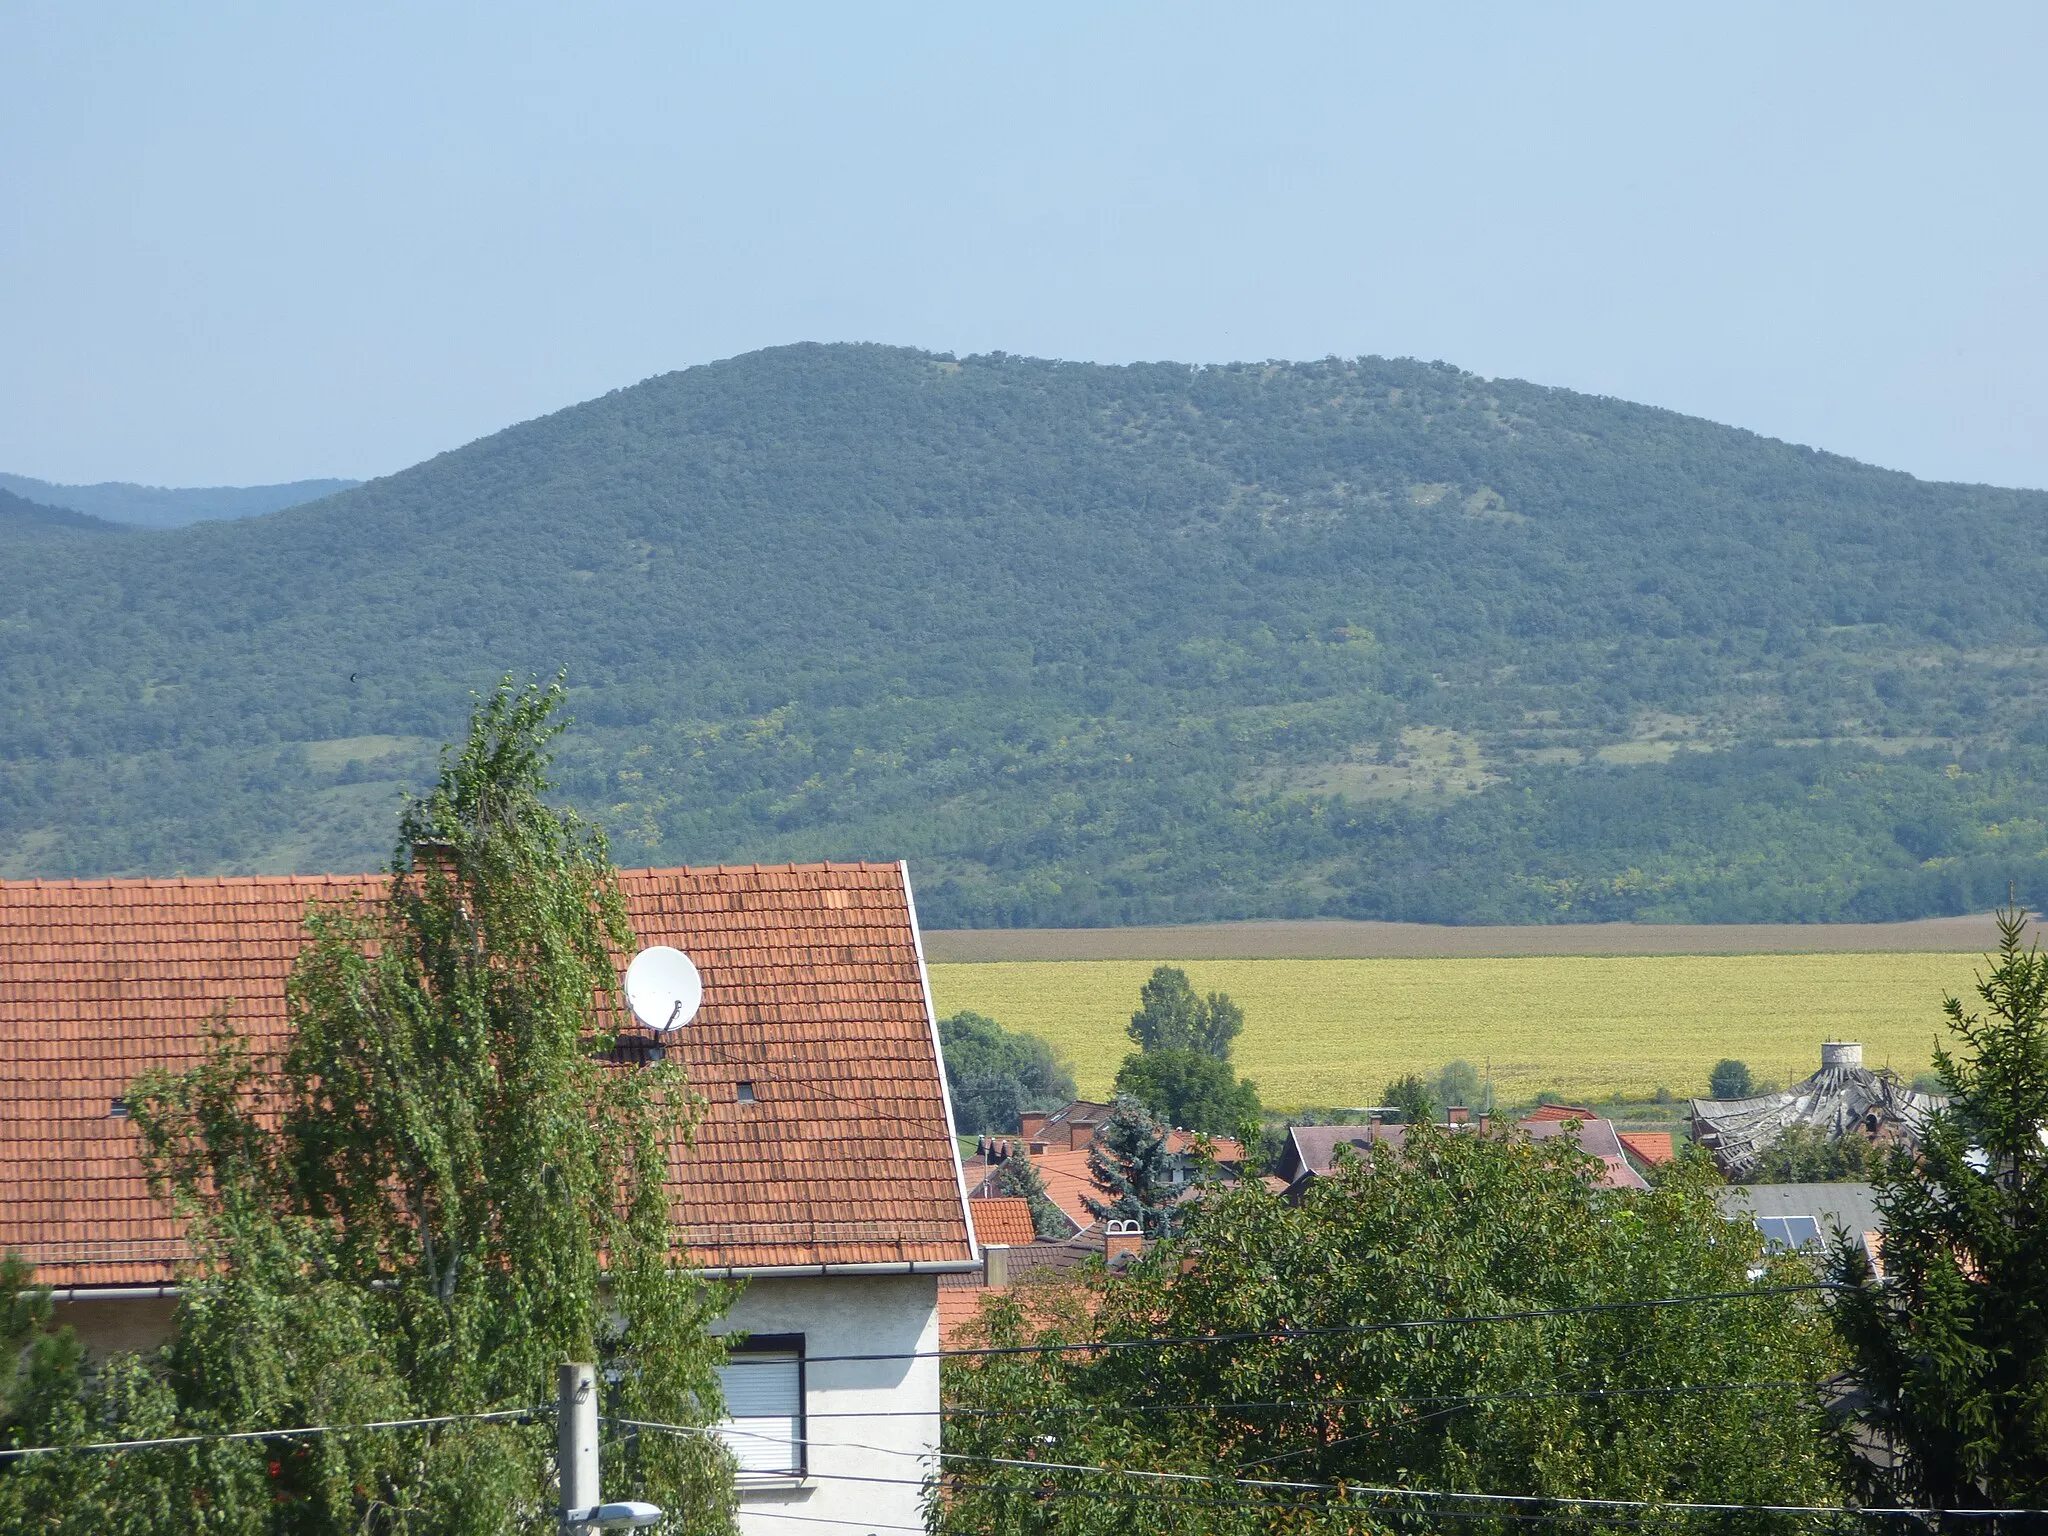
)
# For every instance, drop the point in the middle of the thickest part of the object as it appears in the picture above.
(1717, 1401)
(1132, 1164)
(434, 1194)
(994, 1074)
(1807, 1154)
(1136, 645)
(1951, 1348)
(1411, 1096)
(1191, 1090)
(1172, 1017)
(1729, 1079)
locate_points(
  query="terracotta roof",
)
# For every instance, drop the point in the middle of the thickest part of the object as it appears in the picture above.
(1001, 1219)
(813, 993)
(1563, 1112)
(1065, 1171)
(1649, 1146)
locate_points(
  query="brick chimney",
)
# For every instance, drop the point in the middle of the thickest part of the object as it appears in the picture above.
(1031, 1124)
(1037, 1149)
(1122, 1241)
(1079, 1136)
(1460, 1115)
(1485, 1123)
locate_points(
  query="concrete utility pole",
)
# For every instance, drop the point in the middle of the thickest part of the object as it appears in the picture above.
(576, 1456)
(576, 1436)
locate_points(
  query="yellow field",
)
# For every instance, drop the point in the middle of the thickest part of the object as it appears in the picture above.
(1332, 1032)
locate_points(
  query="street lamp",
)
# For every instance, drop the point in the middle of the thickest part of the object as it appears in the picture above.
(626, 1515)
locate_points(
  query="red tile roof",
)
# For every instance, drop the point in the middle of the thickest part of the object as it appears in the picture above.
(813, 992)
(1650, 1146)
(1563, 1112)
(1066, 1176)
(1001, 1219)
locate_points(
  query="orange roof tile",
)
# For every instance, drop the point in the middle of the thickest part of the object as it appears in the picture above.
(1562, 1112)
(1650, 1146)
(1001, 1219)
(813, 992)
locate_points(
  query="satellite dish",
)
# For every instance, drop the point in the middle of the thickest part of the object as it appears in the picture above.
(663, 988)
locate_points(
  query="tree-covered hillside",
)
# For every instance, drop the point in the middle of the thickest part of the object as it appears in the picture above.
(1093, 644)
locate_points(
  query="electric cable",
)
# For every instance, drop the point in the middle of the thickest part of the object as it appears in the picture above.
(522, 1415)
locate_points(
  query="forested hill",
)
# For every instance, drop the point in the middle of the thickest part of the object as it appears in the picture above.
(1093, 644)
(24, 519)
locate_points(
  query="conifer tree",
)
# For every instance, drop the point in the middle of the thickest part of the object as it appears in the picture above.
(1019, 1177)
(1130, 1164)
(1952, 1344)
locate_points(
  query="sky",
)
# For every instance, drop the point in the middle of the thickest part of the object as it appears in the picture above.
(273, 241)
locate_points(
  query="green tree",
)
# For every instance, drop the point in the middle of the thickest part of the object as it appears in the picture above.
(1191, 1090)
(1019, 1177)
(1951, 1347)
(1172, 1017)
(1729, 1080)
(1412, 1097)
(1714, 1401)
(438, 1192)
(1807, 1154)
(994, 1074)
(1457, 1083)
(1132, 1166)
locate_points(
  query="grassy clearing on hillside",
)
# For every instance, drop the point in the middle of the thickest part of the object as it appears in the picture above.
(1332, 1032)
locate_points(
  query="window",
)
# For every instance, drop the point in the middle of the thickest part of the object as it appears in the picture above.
(763, 1382)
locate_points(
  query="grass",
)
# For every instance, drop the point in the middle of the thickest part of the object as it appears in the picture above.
(1332, 1032)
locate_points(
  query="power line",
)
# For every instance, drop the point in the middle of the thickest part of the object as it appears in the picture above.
(1346, 1489)
(1338, 1330)
(521, 1415)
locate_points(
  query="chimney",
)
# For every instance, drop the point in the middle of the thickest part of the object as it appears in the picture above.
(981, 1149)
(1841, 1053)
(1375, 1120)
(995, 1266)
(1460, 1115)
(1031, 1124)
(1038, 1149)
(1079, 1136)
(1122, 1241)
(1485, 1122)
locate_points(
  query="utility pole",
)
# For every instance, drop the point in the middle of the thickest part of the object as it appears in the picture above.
(576, 1437)
(576, 1456)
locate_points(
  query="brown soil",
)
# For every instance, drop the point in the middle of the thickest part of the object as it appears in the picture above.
(1335, 939)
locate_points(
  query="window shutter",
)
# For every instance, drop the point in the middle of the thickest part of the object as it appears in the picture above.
(764, 1428)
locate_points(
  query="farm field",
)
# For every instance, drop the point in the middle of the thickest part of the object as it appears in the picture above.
(1332, 1031)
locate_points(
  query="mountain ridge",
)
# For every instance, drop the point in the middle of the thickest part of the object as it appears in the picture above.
(157, 506)
(1097, 644)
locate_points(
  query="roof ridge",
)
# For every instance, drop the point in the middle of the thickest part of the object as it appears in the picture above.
(189, 882)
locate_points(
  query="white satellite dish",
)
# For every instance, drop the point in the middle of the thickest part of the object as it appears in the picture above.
(663, 988)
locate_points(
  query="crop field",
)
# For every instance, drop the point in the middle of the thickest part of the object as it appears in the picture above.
(1333, 1031)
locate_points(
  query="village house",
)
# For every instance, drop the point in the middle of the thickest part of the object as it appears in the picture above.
(825, 1171)
(1311, 1151)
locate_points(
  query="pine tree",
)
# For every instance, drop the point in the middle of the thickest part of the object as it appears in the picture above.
(1132, 1167)
(1952, 1344)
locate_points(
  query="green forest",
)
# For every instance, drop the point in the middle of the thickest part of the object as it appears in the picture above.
(1088, 645)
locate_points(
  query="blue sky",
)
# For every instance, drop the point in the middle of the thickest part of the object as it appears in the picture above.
(264, 242)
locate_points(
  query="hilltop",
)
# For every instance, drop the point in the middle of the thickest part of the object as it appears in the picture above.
(1093, 644)
(155, 506)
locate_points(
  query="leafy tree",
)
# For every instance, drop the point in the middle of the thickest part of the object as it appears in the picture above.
(1411, 1096)
(1131, 1165)
(1715, 1401)
(1457, 1083)
(1019, 1177)
(995, 1074)
(1729, 1080)
(1192, 1090)
(1171, 1017)
(1951, 1347)
(438, 1192)
(1807, 1154)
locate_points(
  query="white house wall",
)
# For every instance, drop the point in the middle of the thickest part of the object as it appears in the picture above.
(871, 1425)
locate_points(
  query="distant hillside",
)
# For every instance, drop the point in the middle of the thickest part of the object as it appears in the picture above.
(1092, 645)
(154, 506)
(20, 519)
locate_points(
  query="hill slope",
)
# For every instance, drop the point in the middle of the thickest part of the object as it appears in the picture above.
(24, 519)
(156, 506)
(1095, 644)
